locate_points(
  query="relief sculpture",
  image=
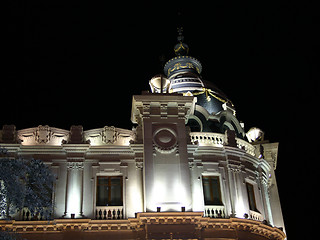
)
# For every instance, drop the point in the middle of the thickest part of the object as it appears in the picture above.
(43, 134)
(109, 135)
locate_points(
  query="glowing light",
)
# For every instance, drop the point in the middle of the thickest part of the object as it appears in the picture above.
(255, 134)
(240, 211)
(173, 198)
(74, 193)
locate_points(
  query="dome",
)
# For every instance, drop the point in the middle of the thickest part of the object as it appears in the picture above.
(215, 90)
(183, 82)
(214, 112)
(211, 98)
(182, 64)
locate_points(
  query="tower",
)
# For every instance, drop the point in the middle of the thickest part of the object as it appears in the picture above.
(232, 172)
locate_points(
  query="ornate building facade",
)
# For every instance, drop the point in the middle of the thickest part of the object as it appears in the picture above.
(187, 170)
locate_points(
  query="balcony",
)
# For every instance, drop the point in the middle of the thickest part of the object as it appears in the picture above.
(214, 211)
(109, 212)
(219, 140)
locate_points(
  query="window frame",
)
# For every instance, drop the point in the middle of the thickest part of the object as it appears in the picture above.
(251, 194)
(212, 197)
(109, 184)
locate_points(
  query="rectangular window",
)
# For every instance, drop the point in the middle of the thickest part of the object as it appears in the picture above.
(109, 191)
(211, 190)
(251, 197)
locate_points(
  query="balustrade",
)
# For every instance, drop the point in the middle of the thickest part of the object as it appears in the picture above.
(242, 144)
(208, 139)
(110, 212)
(255, 216)
(218, 140)
(214, 212)
(27, 215)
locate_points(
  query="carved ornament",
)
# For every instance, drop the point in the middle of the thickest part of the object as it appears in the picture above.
(165, 140)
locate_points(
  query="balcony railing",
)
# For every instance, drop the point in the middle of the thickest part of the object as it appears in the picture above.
(26, 215)
(255, 216)
(110, 212)
(218, 140)
(214, 211)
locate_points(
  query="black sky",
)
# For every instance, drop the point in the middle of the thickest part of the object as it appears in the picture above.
(76, 62)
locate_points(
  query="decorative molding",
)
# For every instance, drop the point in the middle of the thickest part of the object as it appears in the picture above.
(165, 140)
(75, 166)
(248, 228)
(152, 105)
(236, 168)
(43, 134)
(139, 163)
(109, 135)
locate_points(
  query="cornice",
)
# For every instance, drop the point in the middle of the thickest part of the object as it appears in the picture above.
(161, 106)
(144, 219)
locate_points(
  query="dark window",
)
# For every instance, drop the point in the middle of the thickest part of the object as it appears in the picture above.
(211, 190)
(251, 197)
(109, 191)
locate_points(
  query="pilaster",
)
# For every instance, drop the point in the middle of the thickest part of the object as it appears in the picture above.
(75, 155)
(166, 171)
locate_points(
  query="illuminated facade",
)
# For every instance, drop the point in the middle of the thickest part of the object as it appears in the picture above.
(187, 170)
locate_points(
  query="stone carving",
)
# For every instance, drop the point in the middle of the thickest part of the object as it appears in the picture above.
(75, 165)
(109, 135)
(139, 163)
(165, 140)
(43, 134)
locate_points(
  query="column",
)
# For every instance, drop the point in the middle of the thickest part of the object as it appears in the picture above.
(74, 190)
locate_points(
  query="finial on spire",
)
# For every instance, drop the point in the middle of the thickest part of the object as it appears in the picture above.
(181, 49)
(180, 36)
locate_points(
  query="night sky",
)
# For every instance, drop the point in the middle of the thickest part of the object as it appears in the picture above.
(79, 63)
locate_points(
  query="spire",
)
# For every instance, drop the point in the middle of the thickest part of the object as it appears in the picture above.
(181, 48)
(183, 71)
(182, 63)
(180, 36)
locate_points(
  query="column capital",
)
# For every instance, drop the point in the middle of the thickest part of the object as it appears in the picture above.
(75, 165)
